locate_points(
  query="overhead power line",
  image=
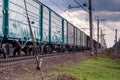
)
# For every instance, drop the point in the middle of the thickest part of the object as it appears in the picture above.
(56, 5)
(81, 6)
(64, 11)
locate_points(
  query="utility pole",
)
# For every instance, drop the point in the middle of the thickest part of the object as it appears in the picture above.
(115, 35)
(91, 28)
(38, 60)
(98, 33)
(101, 38)
(104, 42)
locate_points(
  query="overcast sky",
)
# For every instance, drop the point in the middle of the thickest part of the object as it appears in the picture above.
(105, 9)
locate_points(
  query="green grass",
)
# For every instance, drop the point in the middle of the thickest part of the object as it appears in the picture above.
(100, 68)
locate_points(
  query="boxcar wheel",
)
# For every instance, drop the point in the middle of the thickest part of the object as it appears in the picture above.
(5, 55)
(48, 49)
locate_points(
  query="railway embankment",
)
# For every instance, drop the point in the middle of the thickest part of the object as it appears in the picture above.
(74, 66)
(16, 71)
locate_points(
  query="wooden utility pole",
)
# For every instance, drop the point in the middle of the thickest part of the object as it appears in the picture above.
(115, 35)
(32, 35)
(91, 27)
(38, 60)
(101, 38)
(98, 33)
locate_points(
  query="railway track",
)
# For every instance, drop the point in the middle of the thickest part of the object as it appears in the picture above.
(16, 60)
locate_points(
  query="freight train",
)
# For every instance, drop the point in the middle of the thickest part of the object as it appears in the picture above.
(51, 31)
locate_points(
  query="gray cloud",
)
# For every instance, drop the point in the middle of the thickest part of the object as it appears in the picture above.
(107, 9)
(110, 16)
(106, 5)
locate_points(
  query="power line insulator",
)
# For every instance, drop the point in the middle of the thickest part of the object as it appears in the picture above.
(85, 5)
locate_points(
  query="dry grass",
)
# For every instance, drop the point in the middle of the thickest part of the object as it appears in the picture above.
(27, 70)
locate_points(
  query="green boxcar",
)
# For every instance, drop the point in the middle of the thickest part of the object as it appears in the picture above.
(52, 27)
(18, 25)
(85, 40)
(56, 28)
(78, 37)
(1, 18)
(71, 33)
(75, 34)
(81, 38)
(65, 32)
(45, 25)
